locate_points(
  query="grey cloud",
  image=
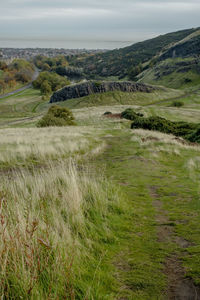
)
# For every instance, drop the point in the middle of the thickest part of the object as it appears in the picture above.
(123, 20)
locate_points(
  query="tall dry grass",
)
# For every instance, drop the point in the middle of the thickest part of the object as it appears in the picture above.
(40, 144)
(51, 221)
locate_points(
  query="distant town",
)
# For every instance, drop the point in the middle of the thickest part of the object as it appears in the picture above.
(8, 54)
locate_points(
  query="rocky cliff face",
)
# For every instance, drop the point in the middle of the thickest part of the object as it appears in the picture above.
(91, 87)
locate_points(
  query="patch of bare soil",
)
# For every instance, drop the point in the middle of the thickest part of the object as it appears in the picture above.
(179, 287)
(164, 228)
(150, 138)
(113, 116)
(181, 242)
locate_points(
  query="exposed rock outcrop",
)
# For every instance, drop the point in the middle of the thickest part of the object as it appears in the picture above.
(92, 87)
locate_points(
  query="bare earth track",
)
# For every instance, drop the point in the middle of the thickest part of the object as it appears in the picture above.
(179, 287)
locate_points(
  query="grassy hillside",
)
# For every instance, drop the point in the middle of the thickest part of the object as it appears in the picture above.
(188, 46)
(118, 62)
(72, 232)
(174, 73)
(178, 66)
(28, 105)
(97, 210)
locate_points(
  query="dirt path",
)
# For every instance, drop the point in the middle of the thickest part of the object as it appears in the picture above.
(179, 287)
(35, 75)
(148, 263)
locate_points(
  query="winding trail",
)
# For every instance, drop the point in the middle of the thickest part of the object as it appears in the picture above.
(35, 75)
(148, 263)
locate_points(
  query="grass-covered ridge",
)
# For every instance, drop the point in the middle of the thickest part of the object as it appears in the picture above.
(97, 210)
(173, 72)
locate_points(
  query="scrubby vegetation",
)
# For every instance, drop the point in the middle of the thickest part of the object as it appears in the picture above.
(107, 113)
(58, 65)
(50, 63)
(189, 131)
(57, 116)
(177, 103)
(18, 72)
(130, 114)
(49, 82)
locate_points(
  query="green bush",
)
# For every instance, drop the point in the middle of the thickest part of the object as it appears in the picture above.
(153, 123)
(177, 103)
(107, 113)
(57, 116)
(189, 131)
(130, 114)
(194, 136)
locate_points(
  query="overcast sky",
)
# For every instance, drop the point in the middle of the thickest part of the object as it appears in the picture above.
(113, 20)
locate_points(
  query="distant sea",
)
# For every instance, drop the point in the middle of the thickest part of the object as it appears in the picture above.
(62, 43)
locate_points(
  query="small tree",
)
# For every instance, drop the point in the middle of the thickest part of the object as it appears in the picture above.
(134, 71)
(177, 103)
(46, 67)
(57, 116)
(45, 88)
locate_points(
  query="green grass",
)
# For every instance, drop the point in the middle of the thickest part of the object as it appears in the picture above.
(88, 190)
(29, 104)
(175, 79)
(130, 164)
(120, 98)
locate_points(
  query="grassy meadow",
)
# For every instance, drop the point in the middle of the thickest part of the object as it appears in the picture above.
(97, 210)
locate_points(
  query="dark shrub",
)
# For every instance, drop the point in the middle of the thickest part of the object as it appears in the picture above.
(177, 103)
(153, 123)
(194, 136)
(184, 128)
(130, 114)
(107, 113)
(187, 80)
(189, 131)
(57, 116)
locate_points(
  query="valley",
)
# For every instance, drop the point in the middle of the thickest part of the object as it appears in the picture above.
(96, 210)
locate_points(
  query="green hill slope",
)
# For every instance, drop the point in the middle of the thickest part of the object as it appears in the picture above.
(178, 66)
(174, 73)
(118, 62)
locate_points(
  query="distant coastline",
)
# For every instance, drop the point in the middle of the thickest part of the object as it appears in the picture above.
(62, 43)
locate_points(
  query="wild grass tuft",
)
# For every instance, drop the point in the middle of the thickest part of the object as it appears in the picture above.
(53, 226)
